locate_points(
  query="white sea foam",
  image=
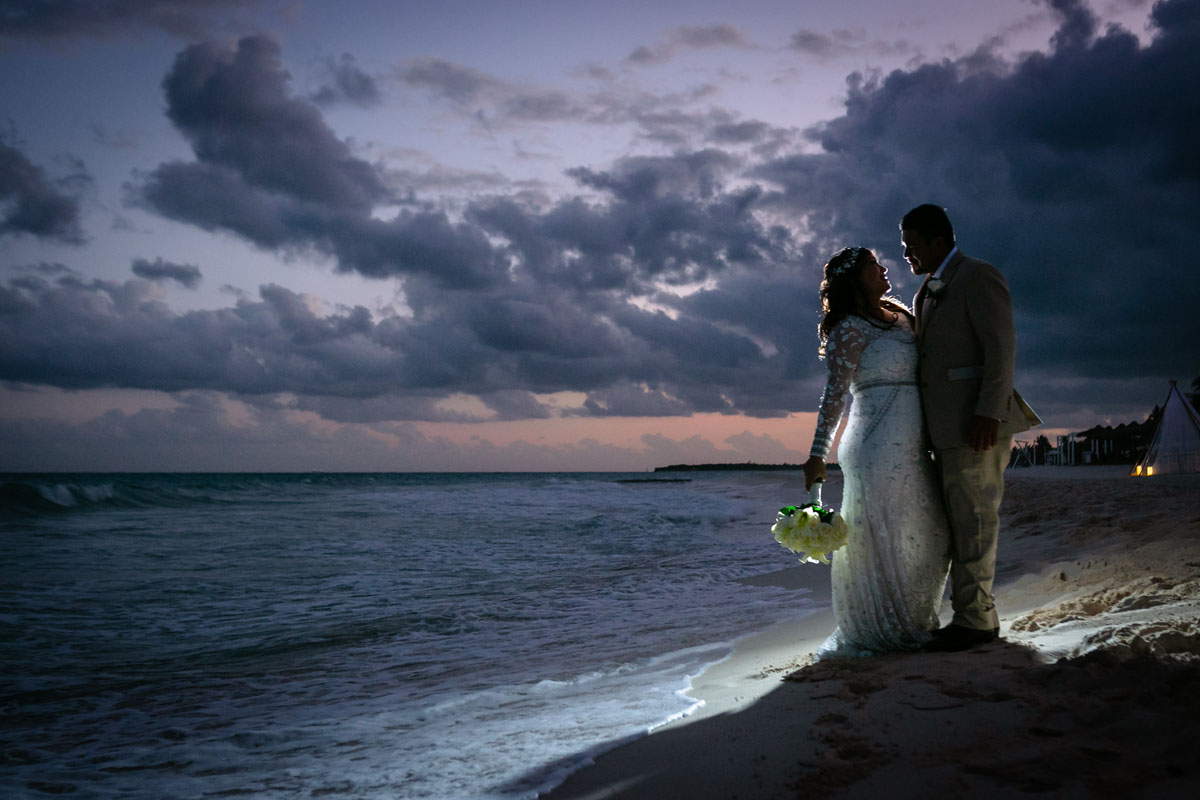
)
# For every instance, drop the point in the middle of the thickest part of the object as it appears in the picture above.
(57, 493)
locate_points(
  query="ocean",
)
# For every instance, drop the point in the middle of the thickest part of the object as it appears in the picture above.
(450, 636)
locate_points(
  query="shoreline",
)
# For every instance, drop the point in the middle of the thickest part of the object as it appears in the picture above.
(1094, 685)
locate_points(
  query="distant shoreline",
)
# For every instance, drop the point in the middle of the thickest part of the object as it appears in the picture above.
(747, 466)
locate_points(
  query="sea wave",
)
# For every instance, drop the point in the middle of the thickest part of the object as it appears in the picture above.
(24, 494)
(37, 497)
(33, 496)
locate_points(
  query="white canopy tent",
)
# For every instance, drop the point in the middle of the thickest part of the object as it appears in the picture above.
(1176, 443)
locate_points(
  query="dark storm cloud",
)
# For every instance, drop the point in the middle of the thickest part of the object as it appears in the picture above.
(561, 319)
(1075, 171)
(31, 202)
(234, 108)
(662, 219)
(1077, 24)
(348, 84)
(628, 400)
(411, 243)
(188, 275)
(552, 319)
(58, 19)
(269, 169)
(513, 404)
(74, 334)
(439, 178)
(548, 326)
(414, 408)
(349, 367)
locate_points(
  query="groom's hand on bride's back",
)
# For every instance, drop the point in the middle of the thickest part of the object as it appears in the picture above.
(984, 433)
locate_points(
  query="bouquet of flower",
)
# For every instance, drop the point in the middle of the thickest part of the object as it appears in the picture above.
(810, 530)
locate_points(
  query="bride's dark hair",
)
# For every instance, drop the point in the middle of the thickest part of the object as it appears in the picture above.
(842, 293)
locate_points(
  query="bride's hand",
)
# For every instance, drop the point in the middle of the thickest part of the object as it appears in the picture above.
(814, 470)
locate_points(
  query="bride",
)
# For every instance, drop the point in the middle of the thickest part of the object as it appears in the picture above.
(889, 578)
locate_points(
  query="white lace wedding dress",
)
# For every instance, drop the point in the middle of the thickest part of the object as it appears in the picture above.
(889, 578)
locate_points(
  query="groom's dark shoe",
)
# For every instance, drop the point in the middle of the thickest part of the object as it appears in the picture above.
(953, 638)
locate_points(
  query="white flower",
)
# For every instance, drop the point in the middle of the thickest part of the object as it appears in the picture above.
(935, 287)
(803, 532)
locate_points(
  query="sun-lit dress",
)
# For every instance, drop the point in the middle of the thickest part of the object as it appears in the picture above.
(889, 578)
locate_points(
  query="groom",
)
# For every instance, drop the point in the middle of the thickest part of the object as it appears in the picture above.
(967, 352)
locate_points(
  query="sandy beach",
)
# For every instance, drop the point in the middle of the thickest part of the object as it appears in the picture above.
(1093, 690)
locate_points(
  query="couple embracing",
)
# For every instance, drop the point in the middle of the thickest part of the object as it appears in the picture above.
(940, 379)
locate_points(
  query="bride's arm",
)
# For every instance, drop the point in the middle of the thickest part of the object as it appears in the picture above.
(842, 352)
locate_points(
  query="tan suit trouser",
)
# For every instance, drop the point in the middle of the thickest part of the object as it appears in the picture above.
(973, 485)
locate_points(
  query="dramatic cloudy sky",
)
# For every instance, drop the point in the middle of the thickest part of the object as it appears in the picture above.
(515, 234)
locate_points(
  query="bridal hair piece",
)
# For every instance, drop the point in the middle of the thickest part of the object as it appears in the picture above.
(847, 259)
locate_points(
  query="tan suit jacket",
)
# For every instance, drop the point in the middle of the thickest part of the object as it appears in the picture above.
(967, 353)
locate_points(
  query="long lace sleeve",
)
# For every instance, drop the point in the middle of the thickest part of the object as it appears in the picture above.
(842, 352)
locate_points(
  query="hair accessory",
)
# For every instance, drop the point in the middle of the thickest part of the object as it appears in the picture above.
(851, 257)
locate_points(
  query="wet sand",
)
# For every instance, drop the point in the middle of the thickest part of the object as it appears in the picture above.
(1093, 690)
